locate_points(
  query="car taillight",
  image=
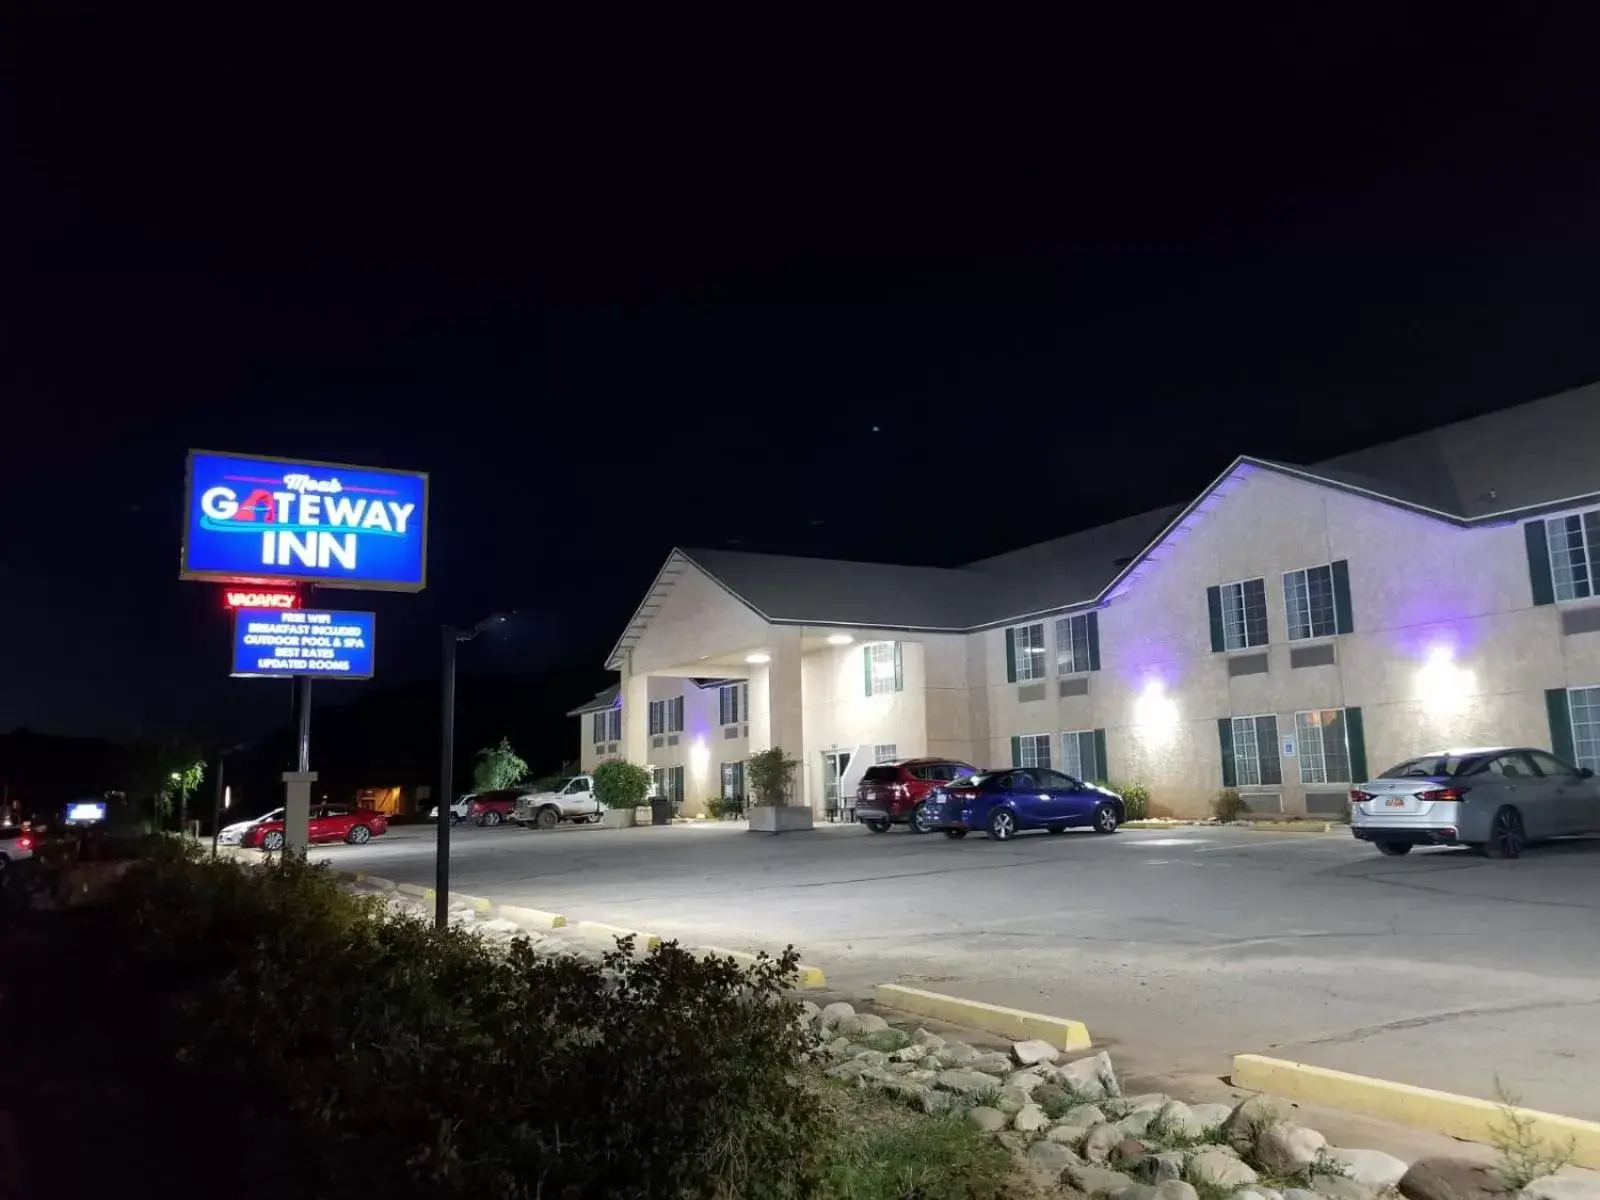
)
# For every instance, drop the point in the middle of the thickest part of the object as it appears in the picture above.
(1357, 796)
(963, 793)
(898, 789)
(1442, 794)
(24, 843)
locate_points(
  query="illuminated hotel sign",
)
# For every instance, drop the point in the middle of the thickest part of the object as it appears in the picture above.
(268, 520)
(271, 641)
(234, 598)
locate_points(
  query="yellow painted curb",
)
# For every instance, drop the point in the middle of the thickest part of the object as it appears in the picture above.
(594, 929)
(536, 917)
(810, 977)
(1008, 1022)
(417, 890)
(1464, 1117)
(1291, 826)
(476, 903)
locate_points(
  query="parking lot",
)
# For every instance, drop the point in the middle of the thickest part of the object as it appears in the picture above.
(1180, 947)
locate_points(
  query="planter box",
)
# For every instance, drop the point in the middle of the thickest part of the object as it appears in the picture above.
(617, 818)
(779, 818)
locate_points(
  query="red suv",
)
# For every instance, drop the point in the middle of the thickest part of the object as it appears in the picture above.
(329, 823)
(494, 808)
(892, 793)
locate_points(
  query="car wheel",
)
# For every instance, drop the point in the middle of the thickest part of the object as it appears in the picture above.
(593, 818)
(919, 819)
(491, 819)
(1105, 819)
(548, 818)
(1506, 835)
(359, 835)
(1058, 829)
(455, 820)
(878, 826)
(1393, 849)
(272, 841)
(1002, 825)
(955, 835)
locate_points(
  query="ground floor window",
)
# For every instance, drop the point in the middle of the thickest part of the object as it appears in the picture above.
(657, 781)
(1255, 751)
(1031, 750)
(1078, 756)
(885, 752)
(1585, 708)
(732, 780)
(1324, 748)
(672, 784)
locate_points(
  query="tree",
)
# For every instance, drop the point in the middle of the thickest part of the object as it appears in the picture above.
(619, 784)
(769, 773)
(498, 768)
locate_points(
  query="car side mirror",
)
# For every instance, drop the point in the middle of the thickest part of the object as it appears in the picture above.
(1585, 772)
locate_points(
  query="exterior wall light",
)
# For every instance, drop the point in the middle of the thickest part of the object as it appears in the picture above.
(757, 658)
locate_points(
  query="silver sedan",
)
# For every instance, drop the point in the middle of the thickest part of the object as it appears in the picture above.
(1494, 798)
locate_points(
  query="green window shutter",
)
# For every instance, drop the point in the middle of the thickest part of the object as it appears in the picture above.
(1355, 733)
(866, 668)
(1011, 656)
(899, 670)
(1230, 776)
(1555, 703)
(1093, 623)
(1344, 621)
(1104, 771)
(1016, 752)
(1544, 587)
(1214, 608)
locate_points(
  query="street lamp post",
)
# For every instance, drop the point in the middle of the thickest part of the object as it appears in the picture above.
(182, 781)
(452, 637)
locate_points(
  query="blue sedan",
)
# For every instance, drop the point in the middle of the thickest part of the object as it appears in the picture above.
(1004, 803)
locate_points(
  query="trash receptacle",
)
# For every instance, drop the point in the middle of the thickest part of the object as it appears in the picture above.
(661, 811)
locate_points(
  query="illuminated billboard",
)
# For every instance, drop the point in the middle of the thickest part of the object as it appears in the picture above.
(274, 642)
(271, 520)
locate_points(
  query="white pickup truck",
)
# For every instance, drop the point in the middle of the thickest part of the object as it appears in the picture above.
(572, 800)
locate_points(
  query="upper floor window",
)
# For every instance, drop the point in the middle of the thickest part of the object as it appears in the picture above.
(732, 703)
(1238, 614)
(1025, 653)
(1573, 543)
(885, 752)
(1078, 643)
(607, 725)
(658, 716)
(1316, 601)
(674, 715)
(881, 664)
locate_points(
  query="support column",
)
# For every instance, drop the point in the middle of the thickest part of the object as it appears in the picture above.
(635, 717)
(297, 808)
(785, 704)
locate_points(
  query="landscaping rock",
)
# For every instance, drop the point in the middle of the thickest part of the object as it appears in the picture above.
(1092, 1077)
(901, 1069)
(1027, 1054)
(835, 1013)
(931, 1040)
(935, 1104)
(1052, 1156)
(501, 925)
(1576, 1184)
(838, 1049)
(1013, 1100)
(907, 1054)
(921, 1075)
(1337, 1187)
(966, 1083)
(1146, 1102)
(1139, 1191)
(1176, 1119)
(954, 1054)
(1247, 1120)
(987, 1120)
(1285, 1148)
(1300, 1194)
(1371, 1167)
(873, 1058)
(1161, 1166)
(1067, 1135)
(990, 1062)
(1176, 1189)
(930, 1063)
(1097, 1143)
(1137, 1124)
(860, 1024)
(1096, 1181)
(1211, 1116)
(809, 1012)
(846, 1070)
(1220, 1170)
(1030, 1119)
(1087, 1115)
(1027, 1080)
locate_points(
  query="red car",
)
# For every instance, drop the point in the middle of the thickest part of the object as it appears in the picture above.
(329, 823)
(893, 793)
(494, 808)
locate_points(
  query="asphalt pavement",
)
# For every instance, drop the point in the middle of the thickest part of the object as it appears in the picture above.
(1178, 948)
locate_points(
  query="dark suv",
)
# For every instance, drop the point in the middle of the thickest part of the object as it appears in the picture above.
(892, 793)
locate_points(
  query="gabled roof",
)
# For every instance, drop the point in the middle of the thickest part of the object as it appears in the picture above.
(601, 702)
(1508, 465)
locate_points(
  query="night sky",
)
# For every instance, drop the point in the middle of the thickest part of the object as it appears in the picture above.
(917, 294)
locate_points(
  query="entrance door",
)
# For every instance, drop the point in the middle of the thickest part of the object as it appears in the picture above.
(834, 764)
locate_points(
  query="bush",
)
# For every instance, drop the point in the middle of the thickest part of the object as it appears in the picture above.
(619, 784)
(400, 1061)
(1228, 805)
(1135, 800)
(770, 773)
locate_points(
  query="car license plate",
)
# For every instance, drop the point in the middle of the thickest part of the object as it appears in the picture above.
(1395, 802)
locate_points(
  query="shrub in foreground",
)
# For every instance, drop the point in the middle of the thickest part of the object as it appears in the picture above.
(1135, 800)
(375, 1057)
